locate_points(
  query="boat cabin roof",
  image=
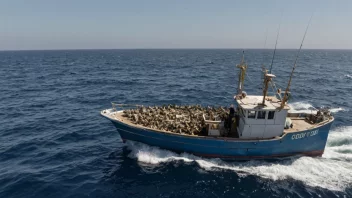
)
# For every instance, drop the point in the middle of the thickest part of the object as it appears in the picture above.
(255, 102)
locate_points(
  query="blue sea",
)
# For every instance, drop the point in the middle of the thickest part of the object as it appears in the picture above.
(54, 143)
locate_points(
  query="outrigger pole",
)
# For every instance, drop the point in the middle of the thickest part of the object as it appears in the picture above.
(284, 100)
(277, 38)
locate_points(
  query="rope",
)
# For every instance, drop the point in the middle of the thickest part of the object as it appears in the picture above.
(273, 88)
(274, 85)
(249, 78)
(279, 84)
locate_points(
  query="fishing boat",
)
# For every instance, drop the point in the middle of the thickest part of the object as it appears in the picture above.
(258, 127)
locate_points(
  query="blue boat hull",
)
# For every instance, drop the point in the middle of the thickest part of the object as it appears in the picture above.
(309, 142)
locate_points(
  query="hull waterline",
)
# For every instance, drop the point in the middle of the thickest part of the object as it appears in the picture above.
(308, 143)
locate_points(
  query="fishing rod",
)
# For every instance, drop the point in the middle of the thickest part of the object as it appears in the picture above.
(295, 64)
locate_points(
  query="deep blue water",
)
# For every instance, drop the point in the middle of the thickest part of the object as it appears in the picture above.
(54, 143)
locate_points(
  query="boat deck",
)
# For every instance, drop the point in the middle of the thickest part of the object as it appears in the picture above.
(299, 124)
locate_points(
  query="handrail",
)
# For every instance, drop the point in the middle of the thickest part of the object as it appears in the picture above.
(114, 105)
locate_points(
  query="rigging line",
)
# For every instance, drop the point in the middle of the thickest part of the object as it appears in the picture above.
(279, 84)
(249, 78)
(276, 92)
(277, 38)
(272, 87)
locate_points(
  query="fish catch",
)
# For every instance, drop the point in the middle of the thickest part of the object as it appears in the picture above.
(175, 118)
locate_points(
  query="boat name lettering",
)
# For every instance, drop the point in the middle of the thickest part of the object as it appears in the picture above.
(304, 135)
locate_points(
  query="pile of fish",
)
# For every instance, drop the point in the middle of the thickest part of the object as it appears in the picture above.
(174, 118)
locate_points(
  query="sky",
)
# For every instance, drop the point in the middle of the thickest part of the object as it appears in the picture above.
(132, 24)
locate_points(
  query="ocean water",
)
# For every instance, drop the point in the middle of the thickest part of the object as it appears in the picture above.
(54, 143)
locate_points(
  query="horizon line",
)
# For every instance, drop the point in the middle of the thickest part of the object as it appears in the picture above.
(91, 49)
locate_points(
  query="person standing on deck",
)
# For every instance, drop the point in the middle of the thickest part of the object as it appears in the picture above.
(231, 115)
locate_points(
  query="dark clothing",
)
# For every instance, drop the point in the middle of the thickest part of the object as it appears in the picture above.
(204, 131)
(229, 118)
(232, 111)
(229, 122)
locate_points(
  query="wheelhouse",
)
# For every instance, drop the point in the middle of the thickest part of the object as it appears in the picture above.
(256, 120)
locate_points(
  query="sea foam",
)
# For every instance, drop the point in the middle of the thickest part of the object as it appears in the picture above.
(331, 171)
(305, 107)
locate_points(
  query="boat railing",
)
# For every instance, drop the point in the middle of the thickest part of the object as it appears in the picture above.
(297, 115)
(118, 106)
(215, 121)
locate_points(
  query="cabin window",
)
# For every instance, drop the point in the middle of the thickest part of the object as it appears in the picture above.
(271, 115)
(261, 115)
(251, 114)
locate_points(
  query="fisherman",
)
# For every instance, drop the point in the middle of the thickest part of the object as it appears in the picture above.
(232, 111)
(231, 115)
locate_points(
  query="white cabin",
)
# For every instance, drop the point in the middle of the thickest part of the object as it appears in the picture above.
(260, 121)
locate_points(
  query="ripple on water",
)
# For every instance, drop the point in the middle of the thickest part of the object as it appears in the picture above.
(335, 163)
(54, 143)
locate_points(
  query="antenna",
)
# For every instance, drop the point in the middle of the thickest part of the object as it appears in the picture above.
(277, 38)
(294, 65)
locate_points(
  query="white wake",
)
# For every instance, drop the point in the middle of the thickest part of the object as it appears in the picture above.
(348, 76)
(332, 171)
(305, 107)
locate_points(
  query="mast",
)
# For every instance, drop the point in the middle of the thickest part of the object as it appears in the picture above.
(241, 75)
(263, 67)
(268, 78)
